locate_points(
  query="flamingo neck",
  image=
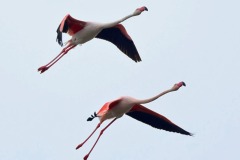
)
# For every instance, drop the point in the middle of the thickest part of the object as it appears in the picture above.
(112, 24)
(153, 98)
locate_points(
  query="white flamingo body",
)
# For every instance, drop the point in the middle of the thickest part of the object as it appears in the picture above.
(89, 32)
(124, 104)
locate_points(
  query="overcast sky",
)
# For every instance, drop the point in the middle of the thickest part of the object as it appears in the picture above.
(43, 116)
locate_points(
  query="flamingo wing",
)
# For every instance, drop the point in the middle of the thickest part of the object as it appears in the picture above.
(107, 106)
(119, 37)
(68, 25)
(154, 119)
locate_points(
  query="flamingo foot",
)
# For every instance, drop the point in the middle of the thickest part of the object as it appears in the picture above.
(86, 157)
(80, 145)
(43, 69)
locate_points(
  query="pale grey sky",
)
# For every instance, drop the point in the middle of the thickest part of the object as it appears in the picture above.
(43, 117)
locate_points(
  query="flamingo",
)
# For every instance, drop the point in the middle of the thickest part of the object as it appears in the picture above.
(83, 32)
(133, 108)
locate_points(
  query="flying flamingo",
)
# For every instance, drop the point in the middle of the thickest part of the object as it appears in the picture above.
(133, 108)
(82, 32)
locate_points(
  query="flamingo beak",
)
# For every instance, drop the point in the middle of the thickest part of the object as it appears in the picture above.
(143, 9)
(184, 84)
(180, 84)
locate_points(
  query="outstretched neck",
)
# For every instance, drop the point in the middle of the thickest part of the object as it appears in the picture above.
(143, 101)
(174, 88)
(112, 24)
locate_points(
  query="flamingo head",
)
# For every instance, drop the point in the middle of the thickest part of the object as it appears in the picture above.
(177, 86)
(138, 11)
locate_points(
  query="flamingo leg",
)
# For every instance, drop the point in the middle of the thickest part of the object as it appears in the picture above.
(64, 53)
(58, 57)
(85, 158)
(80, 145)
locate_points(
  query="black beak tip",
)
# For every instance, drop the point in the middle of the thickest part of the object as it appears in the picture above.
(145, 8)
(184, 84)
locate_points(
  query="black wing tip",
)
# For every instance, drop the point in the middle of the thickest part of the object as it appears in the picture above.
(59, 32)
(92, 116)
(138, 60)
(179, 131)
(187, 134)
(184, 132)
(89, 119)
(59, 37)
(191, 134)
(135, 57)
